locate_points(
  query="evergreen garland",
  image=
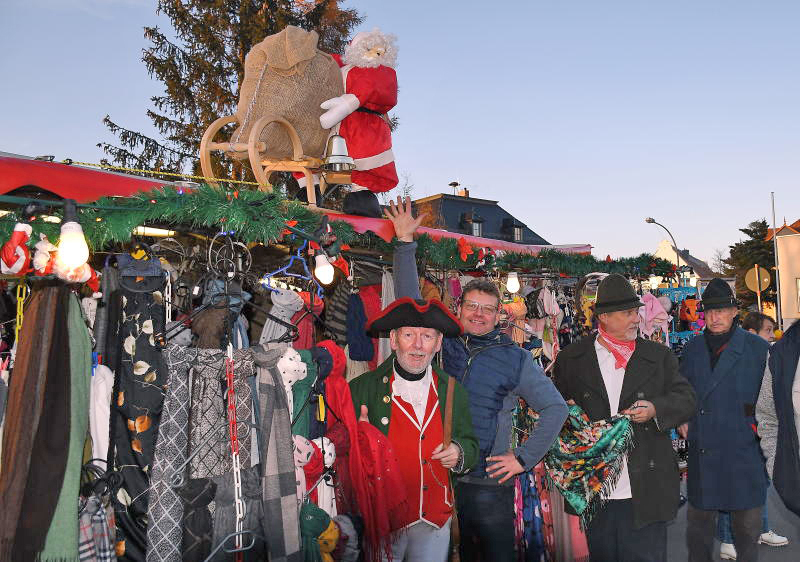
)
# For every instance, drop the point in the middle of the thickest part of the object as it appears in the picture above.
(254, 216)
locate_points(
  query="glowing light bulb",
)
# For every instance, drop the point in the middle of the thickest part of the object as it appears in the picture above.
(512, 282)
(72, 249)
(323, 269)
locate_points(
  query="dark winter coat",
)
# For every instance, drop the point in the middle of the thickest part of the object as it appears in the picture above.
(651, 374)
(726, 467)
(783, 365)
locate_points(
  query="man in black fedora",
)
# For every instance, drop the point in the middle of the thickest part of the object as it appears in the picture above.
(614, 372)
(725, 365)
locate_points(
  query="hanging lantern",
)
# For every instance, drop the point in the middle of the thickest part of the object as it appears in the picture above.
(512, 282)
(323, 270)
(72, 249)
(337, 158)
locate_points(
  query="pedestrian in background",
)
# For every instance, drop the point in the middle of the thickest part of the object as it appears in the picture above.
(725, 365)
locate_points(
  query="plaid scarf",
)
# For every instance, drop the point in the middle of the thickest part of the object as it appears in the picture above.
(281, 525)
(96, 532)
(585, 461)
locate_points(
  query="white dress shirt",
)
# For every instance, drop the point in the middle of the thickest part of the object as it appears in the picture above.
(612, 379)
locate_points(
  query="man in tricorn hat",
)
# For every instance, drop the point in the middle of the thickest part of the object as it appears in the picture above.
(726, 470)
(408, 400)
(614, 372)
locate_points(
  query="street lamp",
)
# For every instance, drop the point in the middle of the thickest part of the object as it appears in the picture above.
(651, 220)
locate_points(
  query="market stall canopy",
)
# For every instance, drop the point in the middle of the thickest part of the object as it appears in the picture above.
(68, 181)
(384, 229)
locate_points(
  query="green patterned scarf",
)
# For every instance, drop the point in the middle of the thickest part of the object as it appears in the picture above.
(585, 461)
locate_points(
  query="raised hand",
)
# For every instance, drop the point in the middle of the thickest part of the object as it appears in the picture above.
(405, 225)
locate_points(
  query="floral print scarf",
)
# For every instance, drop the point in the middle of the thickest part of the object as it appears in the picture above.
(585, 461)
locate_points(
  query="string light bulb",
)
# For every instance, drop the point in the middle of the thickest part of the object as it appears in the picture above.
(323, 270)
(512, 282)
(72, 249)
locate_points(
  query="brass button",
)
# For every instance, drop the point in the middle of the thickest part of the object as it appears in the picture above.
(385, 380)
(385, 420)
(422, 436)
(386, 399)
(424, 488)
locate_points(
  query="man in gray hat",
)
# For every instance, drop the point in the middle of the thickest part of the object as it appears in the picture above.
(614, 372)
(726, 470)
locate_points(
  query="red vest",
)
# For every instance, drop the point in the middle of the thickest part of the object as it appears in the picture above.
(427, 482)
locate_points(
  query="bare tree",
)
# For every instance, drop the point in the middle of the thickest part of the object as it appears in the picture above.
(403, 189)
(718, 261)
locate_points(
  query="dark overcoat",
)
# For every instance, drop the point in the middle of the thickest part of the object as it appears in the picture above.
(726, 467)
(651, 374)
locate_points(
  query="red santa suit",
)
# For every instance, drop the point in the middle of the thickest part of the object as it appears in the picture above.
(370, 84)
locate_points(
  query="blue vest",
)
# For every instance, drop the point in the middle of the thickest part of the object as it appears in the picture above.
(783, 366)
(489, 368)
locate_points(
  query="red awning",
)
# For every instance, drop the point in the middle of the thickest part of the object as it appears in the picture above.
(69, 181)
(384, 229)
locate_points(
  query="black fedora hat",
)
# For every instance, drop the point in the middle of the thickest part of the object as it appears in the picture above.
(718, 294)
(615, 293)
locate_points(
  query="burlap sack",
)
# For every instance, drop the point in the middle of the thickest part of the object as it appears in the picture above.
(287, 76)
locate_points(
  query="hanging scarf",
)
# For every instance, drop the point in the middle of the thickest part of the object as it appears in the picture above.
(343, 484)
(586, 459)
(301, 391)
(278, 490)
(621, 350)
(313, 522)
(62, 537)
(328, 540)
(385, 506)
(48, 459)
(24, 410)
(196, 529)
(313, 469)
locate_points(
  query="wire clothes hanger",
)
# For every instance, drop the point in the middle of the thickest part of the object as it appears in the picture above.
(297, 257)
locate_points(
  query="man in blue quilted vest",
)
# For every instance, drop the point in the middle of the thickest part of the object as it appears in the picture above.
(496, 373)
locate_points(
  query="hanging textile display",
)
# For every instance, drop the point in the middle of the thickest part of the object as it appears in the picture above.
(62, 539)
(32, 406)
(278, 489)
(208, 417)
(165, 510)
(304, 320)
(138, 396)
(285, 304)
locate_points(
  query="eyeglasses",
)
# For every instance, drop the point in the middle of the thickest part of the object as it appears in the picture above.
(473, 306)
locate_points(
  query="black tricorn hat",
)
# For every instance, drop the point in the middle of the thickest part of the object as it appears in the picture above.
(718, 294)
(407, 312)
(615, 293)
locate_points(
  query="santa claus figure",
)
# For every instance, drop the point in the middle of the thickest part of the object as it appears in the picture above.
(370, 84)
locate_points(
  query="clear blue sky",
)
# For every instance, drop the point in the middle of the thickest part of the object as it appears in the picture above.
(580, 117)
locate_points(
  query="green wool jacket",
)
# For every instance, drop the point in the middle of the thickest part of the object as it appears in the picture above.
(373, 390)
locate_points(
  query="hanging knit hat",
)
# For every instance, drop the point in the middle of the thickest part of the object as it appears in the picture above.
(718, 294)
(313, 522)
(615, 293)
(339, 361)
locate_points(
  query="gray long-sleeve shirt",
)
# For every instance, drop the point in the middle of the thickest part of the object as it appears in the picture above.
(534, 387)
